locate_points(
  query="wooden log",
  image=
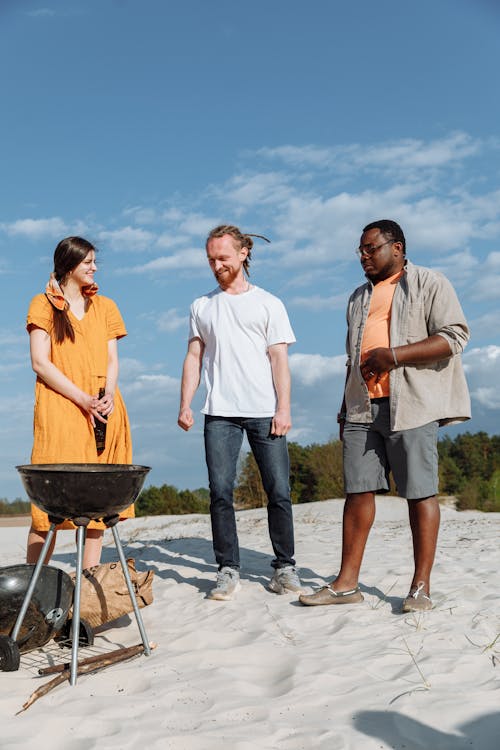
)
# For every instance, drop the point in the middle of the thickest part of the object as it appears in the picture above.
(56, 668)
(92, 664)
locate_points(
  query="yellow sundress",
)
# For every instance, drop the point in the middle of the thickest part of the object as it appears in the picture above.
(62, 431)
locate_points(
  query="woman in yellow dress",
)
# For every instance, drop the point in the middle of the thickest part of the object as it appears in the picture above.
(73, 343)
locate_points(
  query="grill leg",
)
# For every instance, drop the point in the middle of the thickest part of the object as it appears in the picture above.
(32, 584)
(80, 544)
(131, 591)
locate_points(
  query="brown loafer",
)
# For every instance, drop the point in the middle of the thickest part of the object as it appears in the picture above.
(417, 601)
(326, 595)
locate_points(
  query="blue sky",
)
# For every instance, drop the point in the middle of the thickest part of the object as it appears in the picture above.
(141, 124)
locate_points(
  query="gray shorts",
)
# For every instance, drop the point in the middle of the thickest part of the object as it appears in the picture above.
(372, 450)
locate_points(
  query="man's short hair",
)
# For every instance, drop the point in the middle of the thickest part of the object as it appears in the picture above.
(390, 229)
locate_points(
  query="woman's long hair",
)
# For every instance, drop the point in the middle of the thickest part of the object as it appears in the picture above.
(68, 254)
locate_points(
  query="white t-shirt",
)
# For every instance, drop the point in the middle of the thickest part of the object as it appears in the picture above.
(237, 330)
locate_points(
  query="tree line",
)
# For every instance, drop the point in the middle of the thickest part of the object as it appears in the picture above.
(15, 507)
(469, 469)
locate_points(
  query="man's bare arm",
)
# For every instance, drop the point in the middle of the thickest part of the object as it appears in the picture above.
(282, 420)
(191, 372)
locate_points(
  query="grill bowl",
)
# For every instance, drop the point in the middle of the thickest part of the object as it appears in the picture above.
(93, 491)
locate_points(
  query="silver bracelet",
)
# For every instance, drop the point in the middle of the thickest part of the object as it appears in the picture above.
(396, 363)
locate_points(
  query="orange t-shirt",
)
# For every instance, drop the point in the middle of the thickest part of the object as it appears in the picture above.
(377, 329)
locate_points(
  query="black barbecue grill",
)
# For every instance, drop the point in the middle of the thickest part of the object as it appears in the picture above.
(80, 493)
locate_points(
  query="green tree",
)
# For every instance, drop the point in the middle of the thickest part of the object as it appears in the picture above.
(325, 465)
(249, 492)
(168, 500)
(492, 501)
(302, 481)
(15, 507)
(451, 479)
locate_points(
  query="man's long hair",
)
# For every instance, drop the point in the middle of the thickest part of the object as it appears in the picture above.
(240, 240)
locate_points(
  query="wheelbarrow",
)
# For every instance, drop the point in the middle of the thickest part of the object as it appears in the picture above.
(80, 493)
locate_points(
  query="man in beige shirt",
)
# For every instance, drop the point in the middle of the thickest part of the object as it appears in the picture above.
(406, 332)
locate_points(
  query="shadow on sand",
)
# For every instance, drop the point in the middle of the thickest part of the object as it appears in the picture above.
(403, 733)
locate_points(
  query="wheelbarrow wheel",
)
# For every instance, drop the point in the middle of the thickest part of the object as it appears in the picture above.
(65, 635)
(10, 656)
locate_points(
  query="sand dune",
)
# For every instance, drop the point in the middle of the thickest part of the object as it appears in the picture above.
(263, 672)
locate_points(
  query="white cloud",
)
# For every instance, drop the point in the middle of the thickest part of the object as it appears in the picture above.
(248, 190)
(197, 224)
(492, 262)
(410, 153)
(172, 214)
(483, 325)
(36, 228)
(309, 369)
(486, 287)
(300, 434)
(401, 155)
(8, 368)
(130, 368)
(9, 338)
(127, 239)
(482, 365)
(487, 396)
(183, 260)
(458, 267)
(12, 406)
(171, 239)
(316, 303)
(172, 321)
(141, 214)
(484, 356)
(317, 230)
(300, 156)
(181, 223)
(148, 386)
(40, 13)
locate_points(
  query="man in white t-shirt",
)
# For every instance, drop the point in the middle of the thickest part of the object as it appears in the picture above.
(239, 334)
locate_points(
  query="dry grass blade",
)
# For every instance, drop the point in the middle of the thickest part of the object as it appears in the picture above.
(385, 595)
(426, 684)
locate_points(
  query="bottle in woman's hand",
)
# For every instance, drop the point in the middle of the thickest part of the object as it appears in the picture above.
(100, 430)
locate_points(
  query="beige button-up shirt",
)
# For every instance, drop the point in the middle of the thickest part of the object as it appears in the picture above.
(424, 304)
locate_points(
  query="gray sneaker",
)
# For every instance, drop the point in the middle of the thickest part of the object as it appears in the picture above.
(228, 583)
(285, 580)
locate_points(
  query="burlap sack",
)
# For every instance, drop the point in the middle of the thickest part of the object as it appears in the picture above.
(104, 594)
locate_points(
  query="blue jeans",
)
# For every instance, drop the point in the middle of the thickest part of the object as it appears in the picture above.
(223, 439)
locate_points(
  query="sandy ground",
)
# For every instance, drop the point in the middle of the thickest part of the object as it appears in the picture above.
(263, 672)
(14, 521)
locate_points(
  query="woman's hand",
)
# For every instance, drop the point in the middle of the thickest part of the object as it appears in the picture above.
(94, 408)
(105, 405)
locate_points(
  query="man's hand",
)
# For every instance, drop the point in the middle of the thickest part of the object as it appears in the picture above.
(282, 421)
(377, 362)
(185, 419)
